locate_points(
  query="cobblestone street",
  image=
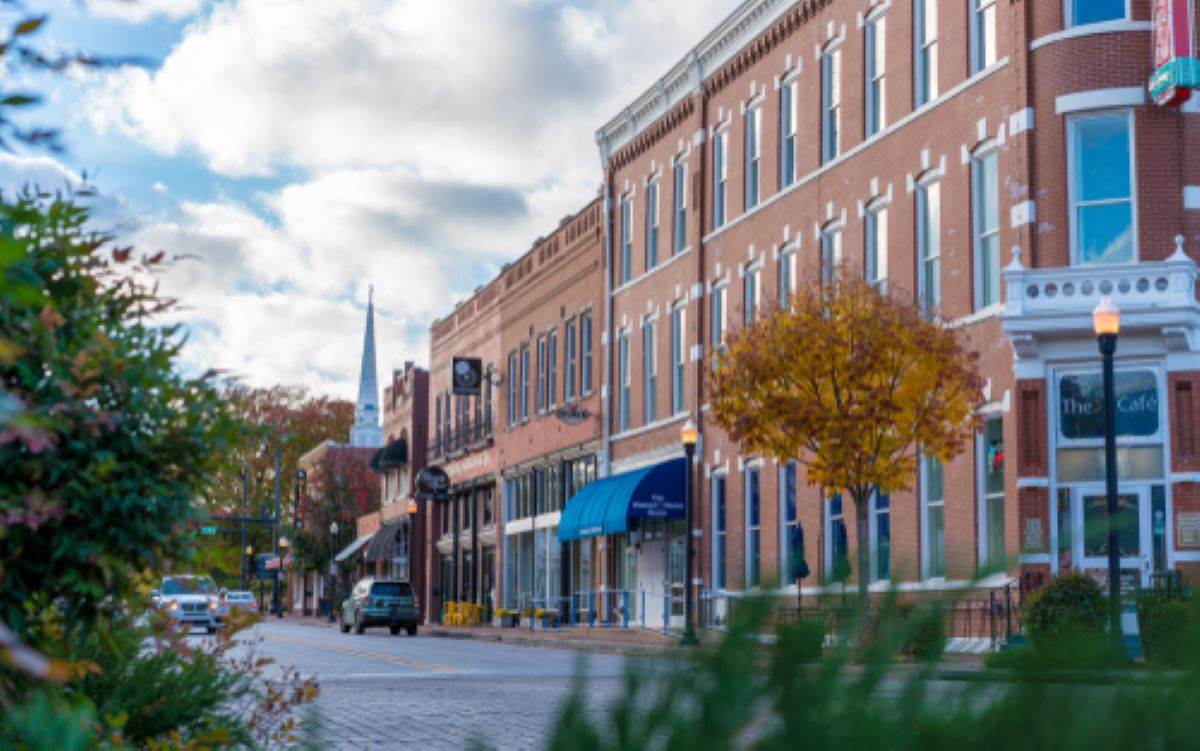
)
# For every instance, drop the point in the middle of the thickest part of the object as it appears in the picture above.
(380, 691)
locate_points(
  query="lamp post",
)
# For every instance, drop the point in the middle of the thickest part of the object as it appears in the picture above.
(333, 530)
(245, 512)
(247, 562)
(689, 435)
(282, 544)
(1106, 320)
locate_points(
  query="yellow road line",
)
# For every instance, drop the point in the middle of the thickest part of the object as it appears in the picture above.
(390, 659)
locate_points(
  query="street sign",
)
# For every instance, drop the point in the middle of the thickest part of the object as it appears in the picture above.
(208, 529)
(1176, 72)
(332, 568)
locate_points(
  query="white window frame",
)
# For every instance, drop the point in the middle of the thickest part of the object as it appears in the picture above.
(1073, 201)
(524, 364)
(653, 235)
(751, 287)
(679, 206)
(875, 47)
(552, 368)
(789, 133)
(786, 273)
(828, 518)
(756, 468)
(980, 44)
(720, 178)
(624, 410)
(649, 372)
(982, 496)
(720, 558)
(922, 68)
(1069, 15)
(626, 238)
(586, 380)
(678, 358)
(873, 536)
(512, 387)
(571, 337)
(785, 551)
(831, 101)
(719, 301)
(875, 254)
(831, 251)
(752, 190)
(541, 374)
(989, 150)
(926, 538)
(927, 185)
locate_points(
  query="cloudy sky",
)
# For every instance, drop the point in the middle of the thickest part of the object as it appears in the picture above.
(301, 150)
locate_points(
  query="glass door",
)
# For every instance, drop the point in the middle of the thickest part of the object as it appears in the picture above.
(1133, 532)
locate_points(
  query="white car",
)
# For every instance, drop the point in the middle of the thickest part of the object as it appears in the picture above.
(243, 601)
(190, 601)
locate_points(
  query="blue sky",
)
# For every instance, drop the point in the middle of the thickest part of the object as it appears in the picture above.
(301, 150)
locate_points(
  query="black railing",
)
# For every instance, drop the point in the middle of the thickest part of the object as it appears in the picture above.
(463, 435)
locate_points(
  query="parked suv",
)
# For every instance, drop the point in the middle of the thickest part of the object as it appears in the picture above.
(190, 601)
(380, 603)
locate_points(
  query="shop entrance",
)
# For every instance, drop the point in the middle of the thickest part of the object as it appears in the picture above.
(1089, 527)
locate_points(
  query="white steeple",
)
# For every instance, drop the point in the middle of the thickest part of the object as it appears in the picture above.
(366, 430)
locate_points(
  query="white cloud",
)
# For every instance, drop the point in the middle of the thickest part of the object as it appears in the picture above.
(137, 11)
(433, 140)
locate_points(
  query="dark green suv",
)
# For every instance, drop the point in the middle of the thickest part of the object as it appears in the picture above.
(380, 603)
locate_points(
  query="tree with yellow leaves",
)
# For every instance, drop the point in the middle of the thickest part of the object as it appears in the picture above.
(853, 383)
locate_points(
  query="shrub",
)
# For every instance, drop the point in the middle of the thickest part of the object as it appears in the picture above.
(1169, 629)
(1070, 607)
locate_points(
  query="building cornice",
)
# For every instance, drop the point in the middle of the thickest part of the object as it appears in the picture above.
(753, 29)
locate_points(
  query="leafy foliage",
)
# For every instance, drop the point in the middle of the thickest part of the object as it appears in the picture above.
(1069, 607)
(96, 484)
(341, 487)
(850, 381)
(1163, 625)
(740, 693)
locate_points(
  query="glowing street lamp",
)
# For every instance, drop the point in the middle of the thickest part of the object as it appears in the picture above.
(1106, 320)
(689, 436)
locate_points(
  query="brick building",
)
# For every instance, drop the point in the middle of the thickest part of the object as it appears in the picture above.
(1000, 162)
(549, 433)
(464, 532)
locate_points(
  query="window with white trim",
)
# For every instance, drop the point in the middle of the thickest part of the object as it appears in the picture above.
(788, 133)
(678, 347)
(552, 368)
(877, 247)
(837, 545)
(791, 551)
(750, 293)
(651, 224)
(623, 391)
(933, 514)
(929, 245)
(925, 53)
(512, 388)
(719, 512)
(1100, 148)
(991, 494)
(831, 252)
(720, 176)
(680, 205)
(985, 217)
(787, 277)
(649, 372)
(1082, 12)
(585, 349)
(831, 102)
(875, 29)
(983, 34)
(626, 240)
(572, 361)
(753, 126)
(753, 498)
(541, 374)
(881, 536)
(718, 318)
(525, 381)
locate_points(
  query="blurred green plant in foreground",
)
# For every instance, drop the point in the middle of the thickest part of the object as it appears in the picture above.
(804, 689)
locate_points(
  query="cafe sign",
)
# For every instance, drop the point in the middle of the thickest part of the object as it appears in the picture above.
(1176, 70)
(1081, 404)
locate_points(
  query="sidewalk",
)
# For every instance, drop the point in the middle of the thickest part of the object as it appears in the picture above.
(606, 640)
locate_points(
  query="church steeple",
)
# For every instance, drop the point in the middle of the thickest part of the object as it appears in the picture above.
(366, 430)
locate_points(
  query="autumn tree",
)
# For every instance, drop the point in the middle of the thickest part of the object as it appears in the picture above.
(341, 487)
(853, 383)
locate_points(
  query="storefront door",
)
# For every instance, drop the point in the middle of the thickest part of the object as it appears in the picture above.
(1090, 515)
(651, 579)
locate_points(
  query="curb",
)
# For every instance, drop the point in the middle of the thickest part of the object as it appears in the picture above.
(595, 647)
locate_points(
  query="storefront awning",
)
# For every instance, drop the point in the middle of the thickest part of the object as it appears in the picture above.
(604, 507)
(390, 457)
(385, 545)
(352, 548)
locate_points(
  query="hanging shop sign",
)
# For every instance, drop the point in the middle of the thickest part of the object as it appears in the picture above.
(1081, 404)
(1176, 71)
(433, 484)
(467, 376)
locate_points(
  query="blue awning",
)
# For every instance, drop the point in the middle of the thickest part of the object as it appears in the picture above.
(604, 507)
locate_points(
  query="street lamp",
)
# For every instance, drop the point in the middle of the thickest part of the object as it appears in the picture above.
(333, 530)
(281, 546)
(1106, 320)
(689, 436)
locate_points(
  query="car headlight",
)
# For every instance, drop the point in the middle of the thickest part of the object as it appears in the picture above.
(173, 605)
(212, 604)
